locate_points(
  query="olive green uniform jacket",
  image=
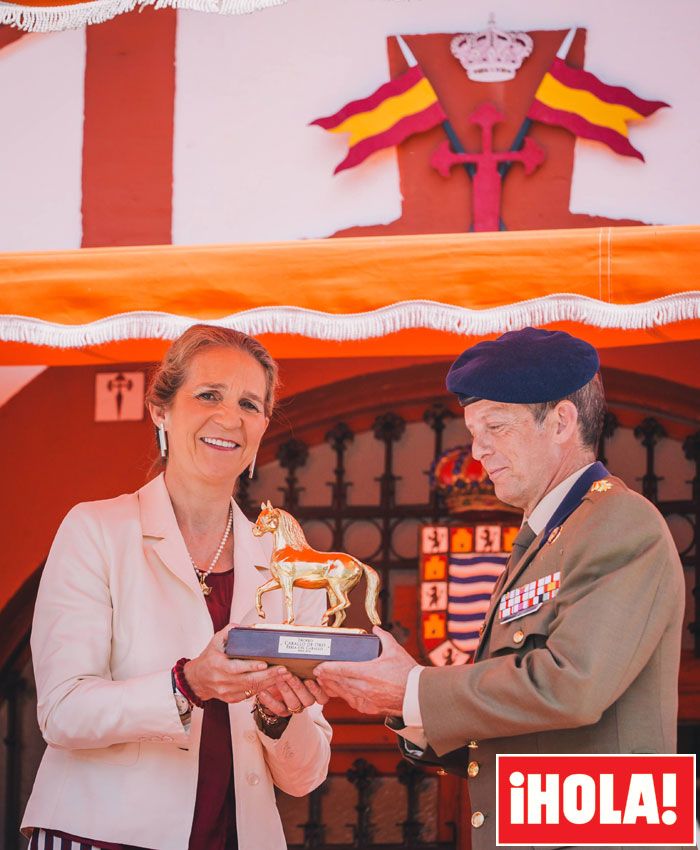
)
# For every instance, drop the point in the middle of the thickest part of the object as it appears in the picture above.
(594, 670)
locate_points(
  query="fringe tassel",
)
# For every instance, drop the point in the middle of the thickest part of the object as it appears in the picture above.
(354, 326)
(55, 18)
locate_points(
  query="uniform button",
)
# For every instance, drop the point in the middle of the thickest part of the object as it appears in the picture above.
(441, 771)
(478, 819)
(473, 769)
(519, 636)
(252, 779)
(473, 745)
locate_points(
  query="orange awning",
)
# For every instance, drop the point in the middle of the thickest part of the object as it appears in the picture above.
(378, 296)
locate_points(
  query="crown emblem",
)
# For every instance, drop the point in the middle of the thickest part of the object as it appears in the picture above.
(492, 55)
(462, 482)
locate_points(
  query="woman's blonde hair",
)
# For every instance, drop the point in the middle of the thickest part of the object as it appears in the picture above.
(170, 374)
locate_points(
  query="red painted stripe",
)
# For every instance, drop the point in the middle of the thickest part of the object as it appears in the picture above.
(580, 127)
(418, 123)
(128, 130)
(391, 89)
(576, 78)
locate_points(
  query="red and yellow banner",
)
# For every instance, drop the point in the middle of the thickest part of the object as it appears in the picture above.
(395, 111)
(580, 102)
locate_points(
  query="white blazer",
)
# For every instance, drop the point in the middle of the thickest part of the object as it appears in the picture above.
(118, 604)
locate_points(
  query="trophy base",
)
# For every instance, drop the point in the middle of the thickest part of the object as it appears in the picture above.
(300, 648)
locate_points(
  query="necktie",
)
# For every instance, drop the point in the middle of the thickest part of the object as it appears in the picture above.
(520, 545)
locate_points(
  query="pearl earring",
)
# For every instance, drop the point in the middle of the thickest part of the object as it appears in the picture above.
(162, 440)
(252, 466)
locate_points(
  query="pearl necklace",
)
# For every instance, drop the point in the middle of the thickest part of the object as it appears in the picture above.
(202, 575)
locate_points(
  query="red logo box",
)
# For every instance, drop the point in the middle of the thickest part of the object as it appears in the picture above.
(595, 800)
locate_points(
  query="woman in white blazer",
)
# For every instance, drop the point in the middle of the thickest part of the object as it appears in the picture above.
(155, 738)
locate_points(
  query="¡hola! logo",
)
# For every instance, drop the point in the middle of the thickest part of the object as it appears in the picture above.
(595, 800)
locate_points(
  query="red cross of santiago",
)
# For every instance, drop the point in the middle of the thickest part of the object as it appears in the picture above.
(486, 196)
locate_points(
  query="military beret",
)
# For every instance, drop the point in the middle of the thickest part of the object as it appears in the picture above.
(524, 367)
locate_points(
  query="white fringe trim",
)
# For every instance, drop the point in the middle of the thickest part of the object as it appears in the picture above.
(54, 18)
(355, 326)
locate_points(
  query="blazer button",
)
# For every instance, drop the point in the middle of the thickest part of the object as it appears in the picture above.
(252, 779)
(473, 745)
(473, 769)
(519, 636)
(478, 819)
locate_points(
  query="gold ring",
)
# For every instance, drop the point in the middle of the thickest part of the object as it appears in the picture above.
(297, 710)
(248, 693)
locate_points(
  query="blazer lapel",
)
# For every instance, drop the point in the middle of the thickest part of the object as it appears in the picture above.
(158, 521)
(248, 551)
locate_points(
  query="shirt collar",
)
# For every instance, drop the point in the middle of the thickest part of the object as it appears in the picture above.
(544, 510)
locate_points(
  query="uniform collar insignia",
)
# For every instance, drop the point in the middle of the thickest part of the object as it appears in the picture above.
(601, 486)
(555, 532)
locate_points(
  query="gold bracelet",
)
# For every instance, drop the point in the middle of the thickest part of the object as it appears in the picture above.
(267, 717)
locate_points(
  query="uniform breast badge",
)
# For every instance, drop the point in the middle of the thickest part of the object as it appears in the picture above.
(601, 486)
(528, 598)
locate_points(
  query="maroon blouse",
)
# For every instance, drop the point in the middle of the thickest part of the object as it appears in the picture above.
(214, 822)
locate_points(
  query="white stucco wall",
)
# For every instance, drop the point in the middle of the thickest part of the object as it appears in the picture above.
(247, 167)
(41, 142)
(275, 72)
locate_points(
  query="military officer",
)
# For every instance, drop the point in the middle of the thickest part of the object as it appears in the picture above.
(589, 666)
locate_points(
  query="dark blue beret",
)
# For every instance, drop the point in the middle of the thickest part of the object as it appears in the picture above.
(524, 367)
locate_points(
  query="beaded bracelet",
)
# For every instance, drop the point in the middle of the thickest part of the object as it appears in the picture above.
(183, 685)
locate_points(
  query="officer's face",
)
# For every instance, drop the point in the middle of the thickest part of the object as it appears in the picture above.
(521, 457)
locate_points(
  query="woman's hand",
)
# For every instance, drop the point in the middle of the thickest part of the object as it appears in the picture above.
(213, 675)
(291, 696)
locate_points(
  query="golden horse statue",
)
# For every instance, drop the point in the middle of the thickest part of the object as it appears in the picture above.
(294, 562)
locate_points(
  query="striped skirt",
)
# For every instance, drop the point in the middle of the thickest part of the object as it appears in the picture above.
(49, 839)
(45, 839)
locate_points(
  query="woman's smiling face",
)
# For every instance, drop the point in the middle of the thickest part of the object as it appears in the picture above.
(217, 418)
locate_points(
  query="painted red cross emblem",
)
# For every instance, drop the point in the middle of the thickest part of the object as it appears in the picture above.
(487, 178)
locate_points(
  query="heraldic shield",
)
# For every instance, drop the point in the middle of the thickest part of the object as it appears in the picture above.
(459, 567)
